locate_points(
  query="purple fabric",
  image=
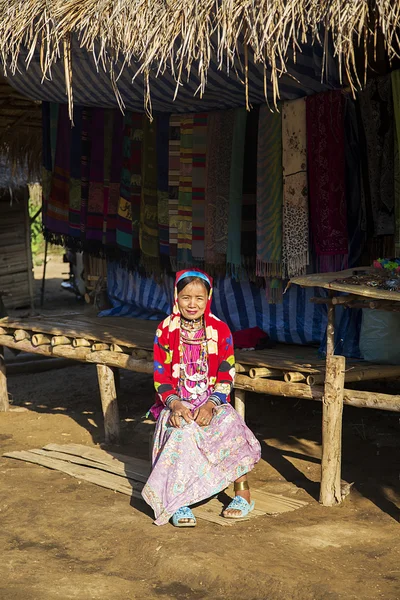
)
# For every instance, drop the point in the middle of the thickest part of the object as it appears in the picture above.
(192, 463)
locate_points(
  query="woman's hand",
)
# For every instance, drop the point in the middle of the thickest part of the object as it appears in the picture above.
(204, 414)
(179, 410)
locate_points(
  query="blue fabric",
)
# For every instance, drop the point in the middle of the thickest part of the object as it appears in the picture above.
(240, 305)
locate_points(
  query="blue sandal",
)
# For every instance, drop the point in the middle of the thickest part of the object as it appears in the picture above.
(239, 503)
(183, 513)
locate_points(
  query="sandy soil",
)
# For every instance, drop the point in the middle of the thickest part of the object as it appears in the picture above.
(65, 539)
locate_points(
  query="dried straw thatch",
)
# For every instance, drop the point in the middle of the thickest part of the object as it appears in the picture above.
(181, 35)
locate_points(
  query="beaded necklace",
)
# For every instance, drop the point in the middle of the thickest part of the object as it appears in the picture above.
(196, 382)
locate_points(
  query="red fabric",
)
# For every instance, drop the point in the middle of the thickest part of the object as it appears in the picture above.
(248, 338)
(221, 361)
(326, 173)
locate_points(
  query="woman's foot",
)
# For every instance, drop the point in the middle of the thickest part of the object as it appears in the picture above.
(183, 517)
(242, 490)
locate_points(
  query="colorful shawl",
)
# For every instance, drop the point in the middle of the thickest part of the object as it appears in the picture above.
(219, 154)
(86, 145)
(199, 185)
(95, 210)
(376, 105)
(234, 259)
(295, 255)
(326, 170)
(162, 183)
(124, 217)
(221, 361)
(114, 169)
(396, 108)
(249, 204)
(269, 202)
(47, 167)
(57, 218)
(75, 174)
(174, 167)
(148, 213)
(185, 236)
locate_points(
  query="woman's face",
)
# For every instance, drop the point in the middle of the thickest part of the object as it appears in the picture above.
(192, 300)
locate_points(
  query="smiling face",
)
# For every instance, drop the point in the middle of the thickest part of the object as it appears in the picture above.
(192, 300)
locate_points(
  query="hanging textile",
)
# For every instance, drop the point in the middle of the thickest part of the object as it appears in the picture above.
(86, 144)
(295, 255)
(199, 185)
(396, 109)
(57, 217)
(354, 185)
(47, 167)
(219, 153)
(114, 169)
(326, 177)
(75, 174)
(149, 209)
(234, 258)
(269, 202)
(376, 105)
(249, 202)
(124, 217)
(54, 114)
(94, 220)
(173, 185)
(184, 255)
(162, 183)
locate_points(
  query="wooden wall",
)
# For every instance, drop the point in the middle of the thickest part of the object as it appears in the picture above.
(16, 275)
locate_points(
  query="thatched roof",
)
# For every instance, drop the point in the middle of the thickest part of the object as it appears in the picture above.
(186, 36)
(20, 137)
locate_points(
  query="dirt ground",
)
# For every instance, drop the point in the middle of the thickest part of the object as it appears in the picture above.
(65, 539)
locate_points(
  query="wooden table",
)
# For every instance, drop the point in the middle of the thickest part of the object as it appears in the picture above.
(357, 296)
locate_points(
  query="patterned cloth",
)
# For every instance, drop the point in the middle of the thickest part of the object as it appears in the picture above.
(95, 211)
(192, 463)
(86, 147)
(185, 214)
(295, 254)
(173, 185)
(162, 183)
(248, 243)
(199, 185)
(149, 207)
(376, 104)
(326, 174)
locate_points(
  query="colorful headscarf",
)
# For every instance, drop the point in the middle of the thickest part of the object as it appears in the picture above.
(167, 355)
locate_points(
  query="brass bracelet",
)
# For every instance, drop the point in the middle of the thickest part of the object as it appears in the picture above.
(241, 486)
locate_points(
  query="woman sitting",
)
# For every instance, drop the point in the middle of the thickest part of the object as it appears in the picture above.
(201, 444)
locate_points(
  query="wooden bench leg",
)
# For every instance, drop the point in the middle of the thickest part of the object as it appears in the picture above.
(4, 404)
(332, 410)
(240, 402)
(109, 403)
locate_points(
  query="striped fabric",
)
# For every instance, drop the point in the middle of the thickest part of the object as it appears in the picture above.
(185, 235)
(199, 184)
(240, 305)
(162, 183)
(174, 166)
(93, 87)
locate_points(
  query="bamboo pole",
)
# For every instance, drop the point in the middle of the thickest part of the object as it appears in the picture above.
(98, 347)
(24, 345)
(109, 403)
(81, 343)
(68, 351)
(60, 340)
(117, 348)
(40, 339)
(123, 361)
(330, 492)
(21, 334)
(240, 402)
(293, 377)
(264, 372)
(3, 331)
(4, 403)
(241, 368)
(369, 373)
(29, 248)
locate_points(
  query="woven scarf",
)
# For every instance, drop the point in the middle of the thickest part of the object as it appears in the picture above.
(162, 183)
(234, 259)
(173, 185)
(75, 174)
(376, 105)
(396, 108)
(95, 211)
(249, 204)
(47, 167)
(326, 175)
(295, 256)
(269, 202)
(86, 145)
(57, 218)
(124, 217)
(114, 167)
(219, 154)
(185, 236)
(149, 208)
(199, 185)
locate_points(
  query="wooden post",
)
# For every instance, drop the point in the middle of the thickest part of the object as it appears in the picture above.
(4, 404)
(240, 402)
(109, 403)
(330, 492)
(330, 330)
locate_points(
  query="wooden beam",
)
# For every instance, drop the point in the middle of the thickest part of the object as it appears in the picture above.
(4, 403)
(332, 411)
(109, 403)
